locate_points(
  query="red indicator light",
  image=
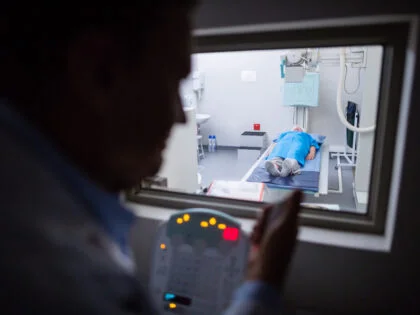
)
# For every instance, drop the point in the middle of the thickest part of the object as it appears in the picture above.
(230, 234)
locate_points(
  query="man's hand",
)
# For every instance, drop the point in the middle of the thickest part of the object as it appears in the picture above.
(272, 249)
(311, 154)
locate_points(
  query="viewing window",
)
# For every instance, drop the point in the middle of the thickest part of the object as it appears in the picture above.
(268, 112)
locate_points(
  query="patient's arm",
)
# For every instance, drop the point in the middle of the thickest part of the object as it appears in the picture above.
(311, 154)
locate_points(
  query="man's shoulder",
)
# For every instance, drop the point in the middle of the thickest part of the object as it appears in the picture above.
(38, 210)
(29, 188)
(54, 253)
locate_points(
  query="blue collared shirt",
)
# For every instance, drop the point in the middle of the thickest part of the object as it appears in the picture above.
(105, 207)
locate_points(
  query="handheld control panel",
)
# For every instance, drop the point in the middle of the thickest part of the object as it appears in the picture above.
(199, 259)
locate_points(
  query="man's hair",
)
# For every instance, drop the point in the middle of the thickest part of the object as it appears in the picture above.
(34, 33)
(297, 126)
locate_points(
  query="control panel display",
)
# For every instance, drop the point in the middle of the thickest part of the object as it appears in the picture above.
(205, 226)
(176, 299)
(199, 259)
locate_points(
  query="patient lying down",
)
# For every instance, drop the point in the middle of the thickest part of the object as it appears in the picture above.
(289, 154)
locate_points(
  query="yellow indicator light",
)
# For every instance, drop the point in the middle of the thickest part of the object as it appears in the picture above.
(204, 224)
(162, 246)
(172, 305)
(186, 217)
(221, 226)
(213, 221)
(179, 220)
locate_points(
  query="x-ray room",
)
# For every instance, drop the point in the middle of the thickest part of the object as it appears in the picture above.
(264, 122)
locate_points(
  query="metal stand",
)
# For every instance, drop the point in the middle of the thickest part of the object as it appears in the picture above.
(350, 158)
(200, 148)
(301, 121)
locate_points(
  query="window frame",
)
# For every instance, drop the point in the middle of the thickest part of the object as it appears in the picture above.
(393, 35)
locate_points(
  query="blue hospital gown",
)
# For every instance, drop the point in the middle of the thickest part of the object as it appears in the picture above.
(293, 145)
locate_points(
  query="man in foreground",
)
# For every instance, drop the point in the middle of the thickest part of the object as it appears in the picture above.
(82, 88)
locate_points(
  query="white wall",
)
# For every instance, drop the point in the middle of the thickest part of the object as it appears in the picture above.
(180, 157)
(235, 105)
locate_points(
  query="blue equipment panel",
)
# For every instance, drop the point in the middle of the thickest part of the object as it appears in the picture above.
(305, 93)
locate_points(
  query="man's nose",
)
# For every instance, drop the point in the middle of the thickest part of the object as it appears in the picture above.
(180, 117)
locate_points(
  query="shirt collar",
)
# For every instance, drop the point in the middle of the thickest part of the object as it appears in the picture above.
(104, 207)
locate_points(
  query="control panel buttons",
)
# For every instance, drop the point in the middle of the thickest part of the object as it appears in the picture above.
(186, 217)
(197, 262)
(225, 247)
(221, 226)
(174, 308)
(177, 240)
(161, 271)
(162, 258)
(199, 246)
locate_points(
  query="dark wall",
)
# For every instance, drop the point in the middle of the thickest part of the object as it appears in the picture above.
(214, 13)
(337, 280)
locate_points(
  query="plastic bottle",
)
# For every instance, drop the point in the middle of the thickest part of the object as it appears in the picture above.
(214, 144)
(210, 146)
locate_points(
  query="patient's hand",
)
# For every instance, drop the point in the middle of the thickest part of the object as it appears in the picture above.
(311, 154)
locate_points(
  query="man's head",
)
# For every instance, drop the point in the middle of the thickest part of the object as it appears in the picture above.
(101, 81)
(297, 128)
